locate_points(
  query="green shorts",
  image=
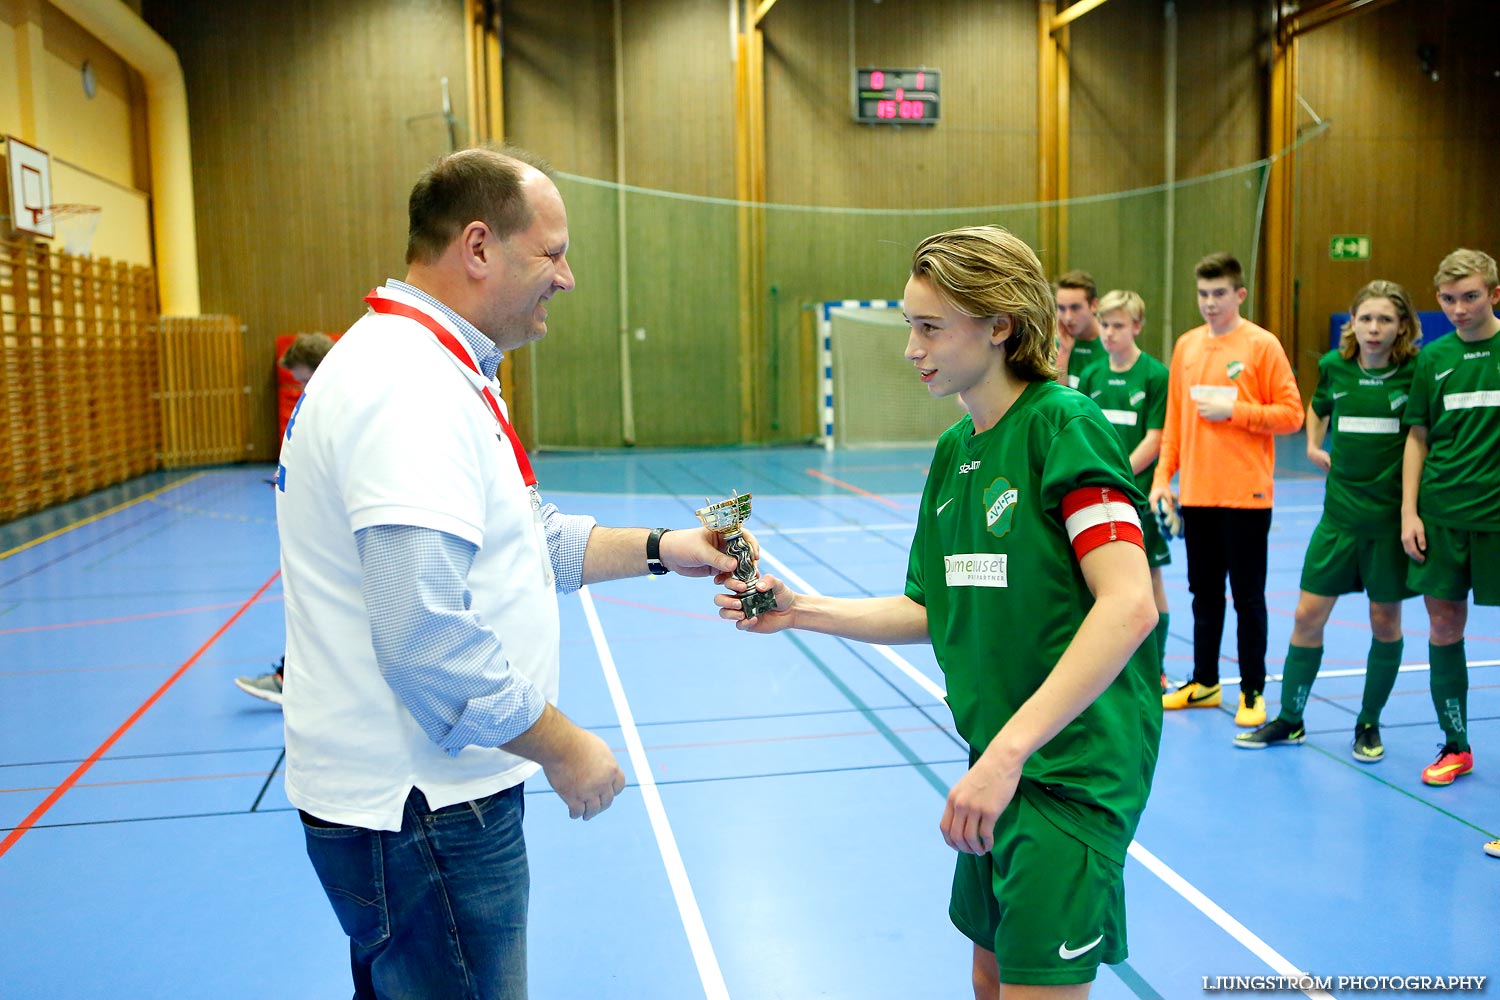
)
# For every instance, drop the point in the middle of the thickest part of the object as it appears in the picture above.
(1157, 553)
(1051, 907)
(1341, 562)
(1458, 561)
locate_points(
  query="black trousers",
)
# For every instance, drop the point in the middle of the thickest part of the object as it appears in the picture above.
(1228, 541)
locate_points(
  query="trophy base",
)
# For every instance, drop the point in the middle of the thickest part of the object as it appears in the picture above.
(756, 602)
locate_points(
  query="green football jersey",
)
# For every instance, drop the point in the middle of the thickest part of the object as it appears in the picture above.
(1084, 355)
(1455, 394)
(1133, 401)
(992, 563)
(1367, 443)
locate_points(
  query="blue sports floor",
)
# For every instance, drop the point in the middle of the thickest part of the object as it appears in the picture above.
(779, 836)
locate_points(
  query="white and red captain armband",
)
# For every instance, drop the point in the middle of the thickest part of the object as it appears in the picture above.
(1097, 515)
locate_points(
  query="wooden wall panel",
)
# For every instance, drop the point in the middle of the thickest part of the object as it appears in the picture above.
(1223, 50)
(203, 413)
(678, 137)
(78, 375)
(1116, 94)
(310, 122)
(558, 68)
(1408, 161)
(981, 153)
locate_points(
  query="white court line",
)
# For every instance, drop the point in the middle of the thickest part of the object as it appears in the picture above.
(682, 889)
(1409, 668)
(923, 681)
(1176, 882)
(1217, 914)
(835, 528)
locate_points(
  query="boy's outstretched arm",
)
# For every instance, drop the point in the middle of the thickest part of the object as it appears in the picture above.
(890, 620)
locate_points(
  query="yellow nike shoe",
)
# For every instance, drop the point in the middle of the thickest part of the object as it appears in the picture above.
(1252, 713)
(1193, 695)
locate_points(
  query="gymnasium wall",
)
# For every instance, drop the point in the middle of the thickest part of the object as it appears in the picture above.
(308, 131)
(683, 310)
(309, 124)
(1409, 161)
(97, 145)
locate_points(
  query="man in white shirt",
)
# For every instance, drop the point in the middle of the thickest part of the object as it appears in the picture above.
(420, 570)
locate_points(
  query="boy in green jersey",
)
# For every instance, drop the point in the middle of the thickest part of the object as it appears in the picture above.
(1363, 387)
(1450, 488)
(1078, 346)
(1028, 575)
(1131, 388)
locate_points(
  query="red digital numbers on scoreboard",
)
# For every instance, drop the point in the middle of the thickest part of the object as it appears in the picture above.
(896, 96)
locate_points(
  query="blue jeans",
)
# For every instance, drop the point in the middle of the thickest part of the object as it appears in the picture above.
(437, 909)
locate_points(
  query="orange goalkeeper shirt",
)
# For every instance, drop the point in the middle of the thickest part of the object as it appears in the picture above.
(1227, 463)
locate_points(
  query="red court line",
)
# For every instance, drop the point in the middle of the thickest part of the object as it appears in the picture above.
(853, 489)
(103, 748)
(121, 618)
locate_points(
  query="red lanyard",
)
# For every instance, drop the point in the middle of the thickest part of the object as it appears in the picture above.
(391, 307)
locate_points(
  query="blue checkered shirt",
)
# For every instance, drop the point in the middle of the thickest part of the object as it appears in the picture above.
(449, 670)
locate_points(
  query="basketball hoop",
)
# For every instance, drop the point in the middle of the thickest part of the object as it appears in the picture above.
(75, 224)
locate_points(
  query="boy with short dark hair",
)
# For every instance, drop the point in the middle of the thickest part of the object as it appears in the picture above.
(1231, 391)
(1078, 346)
(1450, 488)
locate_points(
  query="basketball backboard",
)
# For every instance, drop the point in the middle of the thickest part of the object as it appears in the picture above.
(30, 187)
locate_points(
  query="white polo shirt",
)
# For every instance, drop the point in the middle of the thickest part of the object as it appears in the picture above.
(392, 431)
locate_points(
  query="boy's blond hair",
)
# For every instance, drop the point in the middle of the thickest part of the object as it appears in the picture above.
(1408, 340)
(1462, 263)
(1125, 301)
(985, 271)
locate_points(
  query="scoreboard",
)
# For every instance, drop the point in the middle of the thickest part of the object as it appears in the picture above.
(896, 96)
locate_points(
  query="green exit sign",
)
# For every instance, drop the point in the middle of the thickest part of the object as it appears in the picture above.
(1349, 248)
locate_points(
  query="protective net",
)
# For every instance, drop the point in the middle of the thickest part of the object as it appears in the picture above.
(653, 330)
(876, 399)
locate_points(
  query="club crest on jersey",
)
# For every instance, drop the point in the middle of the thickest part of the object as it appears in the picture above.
(1234, 368)
(1398, 399)
(1137, 397)
(999, 507)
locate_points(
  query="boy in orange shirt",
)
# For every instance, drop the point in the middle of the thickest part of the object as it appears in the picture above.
(1230, 391)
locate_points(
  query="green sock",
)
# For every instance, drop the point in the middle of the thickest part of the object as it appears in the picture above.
(1380, 677)
(1450, 692)
(1297, 677)
(1161, 639)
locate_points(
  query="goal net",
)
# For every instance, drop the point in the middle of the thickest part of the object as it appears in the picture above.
(871, 395)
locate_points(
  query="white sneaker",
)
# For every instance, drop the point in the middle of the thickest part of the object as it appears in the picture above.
(266, 687)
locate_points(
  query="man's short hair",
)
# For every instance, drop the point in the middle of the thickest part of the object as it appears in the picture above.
(308, 350)
(1078, 279)
(1220, 265)
(1124, 301)
(481, 184)
(1462, 263)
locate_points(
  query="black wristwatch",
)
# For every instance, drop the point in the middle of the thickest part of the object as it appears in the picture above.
(654, 565)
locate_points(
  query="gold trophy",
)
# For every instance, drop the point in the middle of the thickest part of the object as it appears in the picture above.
(724, 519)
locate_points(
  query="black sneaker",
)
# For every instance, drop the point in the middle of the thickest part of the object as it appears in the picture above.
(1271, 734)
(1367, 746)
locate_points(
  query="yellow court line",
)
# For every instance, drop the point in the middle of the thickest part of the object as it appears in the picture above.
(102, 514)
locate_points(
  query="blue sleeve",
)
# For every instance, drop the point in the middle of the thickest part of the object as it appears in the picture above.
(448, 669)
(567, 538)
